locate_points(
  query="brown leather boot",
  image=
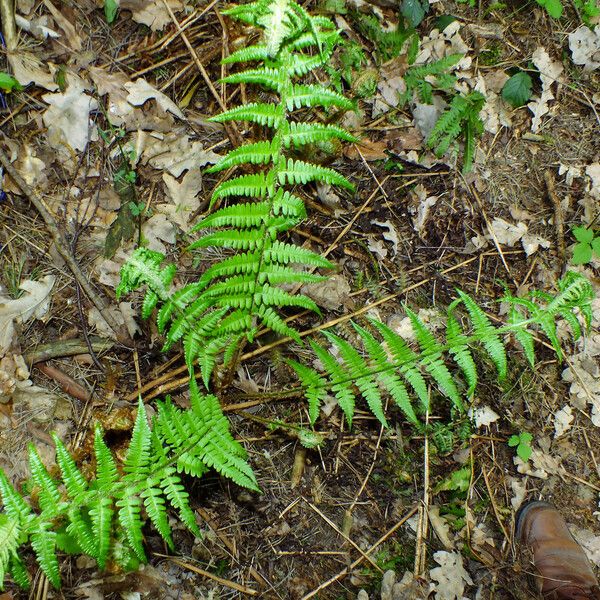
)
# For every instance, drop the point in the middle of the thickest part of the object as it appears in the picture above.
(563, 571)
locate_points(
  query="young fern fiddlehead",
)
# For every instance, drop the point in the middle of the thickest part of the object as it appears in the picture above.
(102, 515)
(239, 294)
(389, 364)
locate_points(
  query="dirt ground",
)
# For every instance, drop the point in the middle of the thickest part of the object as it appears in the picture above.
(330, 521)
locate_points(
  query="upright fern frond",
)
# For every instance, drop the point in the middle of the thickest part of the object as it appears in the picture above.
(462, 118)
(104, 516)
(389, 364)
(243, 292)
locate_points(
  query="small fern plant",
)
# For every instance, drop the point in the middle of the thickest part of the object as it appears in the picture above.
(388, 363)
(461, 119)
(102, 514)
(234, 297)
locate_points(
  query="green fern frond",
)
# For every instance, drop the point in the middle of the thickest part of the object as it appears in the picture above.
(105, 515)
(269, 115)
(394, 365)
(306, 96)
(259, 153)
(242, 292)
(298, 171)
(301, 134)
(462, 117)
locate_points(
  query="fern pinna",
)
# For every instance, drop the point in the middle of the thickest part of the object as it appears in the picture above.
(390, 364)
(103, 515)
(243, 292)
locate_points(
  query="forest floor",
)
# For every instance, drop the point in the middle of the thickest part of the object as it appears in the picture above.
(330, 521)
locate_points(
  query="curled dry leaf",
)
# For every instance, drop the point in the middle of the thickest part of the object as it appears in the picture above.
(34, 303)
(585, 47)
(563, 420)
(152, 13)
(141, 91)
(67, 118)
(183, 197)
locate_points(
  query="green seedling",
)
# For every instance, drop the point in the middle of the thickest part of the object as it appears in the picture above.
(522, 442)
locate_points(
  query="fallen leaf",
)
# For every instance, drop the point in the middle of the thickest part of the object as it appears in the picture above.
(158, 229)
(124, 314)
(506, 233)
(585, 47)
(440, 526)
(152, 13)
(483, 416)
(450, 576)
(175, 153)
(332, 293)
(519, 490)
(563, 420)
(391, 235)
(67, 118)
(34, 303)
(550, 71)
(183, 197)
(140, 91)
(28, 68)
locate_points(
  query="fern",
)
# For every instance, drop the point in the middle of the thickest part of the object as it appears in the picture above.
(103, 515)
(389, 364)
(461, 119)
(235, 297)
(418, 79)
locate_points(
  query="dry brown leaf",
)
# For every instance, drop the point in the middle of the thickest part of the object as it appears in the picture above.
(152, 13)
(34, 303)
(183, 197)
(141, 91)
(67, 118)
(550, 71)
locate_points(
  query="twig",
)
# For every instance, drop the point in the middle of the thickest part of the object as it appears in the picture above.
(226, 582)
(559, 219)
(62, 348)
(9, 27)
(121, 332)
(66, 382)
(234, 136)
(357, 562)
(340, 532)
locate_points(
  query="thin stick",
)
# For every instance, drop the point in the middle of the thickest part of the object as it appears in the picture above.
(121, 332)
(357, 562)
(340, 532)
(232, 133)
(226, 582)
(559, 219)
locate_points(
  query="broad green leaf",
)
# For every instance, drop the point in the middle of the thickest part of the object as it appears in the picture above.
(414, 11)
(583, 234)
(582, 254)
(111, 7)
(8, 83)
(517, 90)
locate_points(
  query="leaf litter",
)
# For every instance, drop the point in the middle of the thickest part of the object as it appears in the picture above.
(158, 139)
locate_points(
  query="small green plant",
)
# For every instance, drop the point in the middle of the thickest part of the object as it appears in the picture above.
(522, 442)
(517, 90)
(111, 8)
(588, 245)
(389, 363)
(8, 83)
(461, 119)
(422, 80)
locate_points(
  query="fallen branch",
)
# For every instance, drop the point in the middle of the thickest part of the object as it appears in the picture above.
(61, 348)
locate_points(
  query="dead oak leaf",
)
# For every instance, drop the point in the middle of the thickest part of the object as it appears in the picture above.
(550, 71)
(183, 197)
(67, 118)
(140, 91)
(152, 13)
(34, 303)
